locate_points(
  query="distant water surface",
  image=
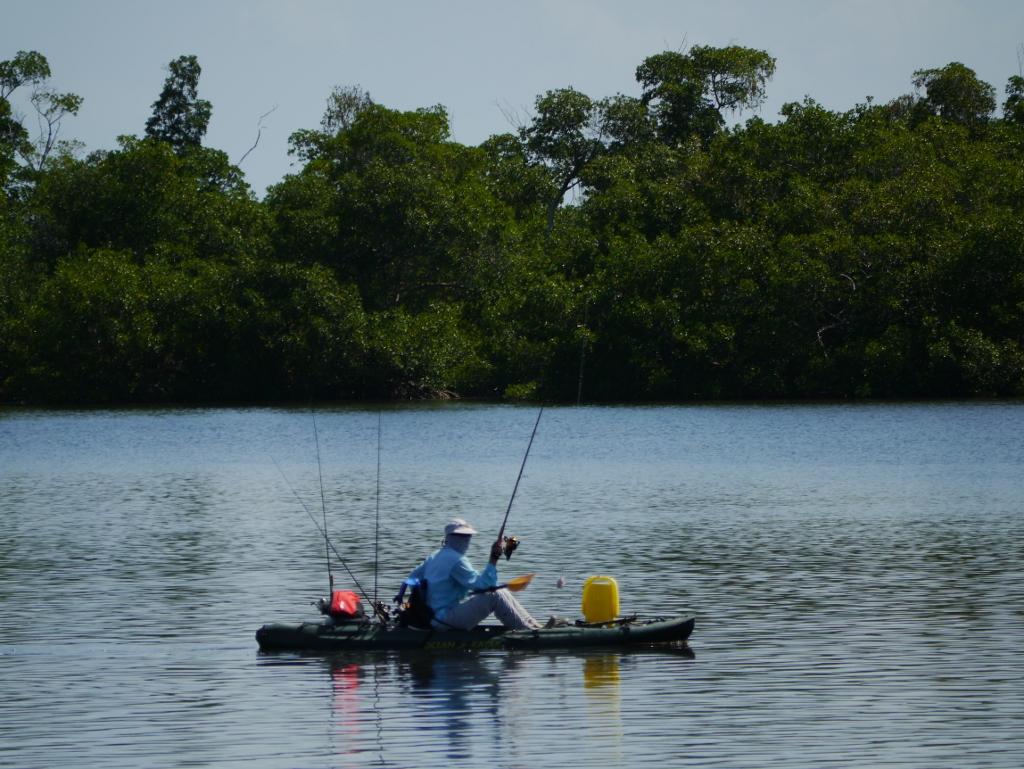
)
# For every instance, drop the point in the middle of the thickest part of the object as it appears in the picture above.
(857, 572)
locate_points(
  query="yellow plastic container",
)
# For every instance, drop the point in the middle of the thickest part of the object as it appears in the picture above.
(600, 599)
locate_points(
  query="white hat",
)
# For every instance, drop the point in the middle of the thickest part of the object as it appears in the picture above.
(459, 526)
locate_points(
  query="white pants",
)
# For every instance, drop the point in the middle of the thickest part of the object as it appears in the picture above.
(468, 614)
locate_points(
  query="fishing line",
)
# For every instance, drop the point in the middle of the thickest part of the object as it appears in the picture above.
(324, 533)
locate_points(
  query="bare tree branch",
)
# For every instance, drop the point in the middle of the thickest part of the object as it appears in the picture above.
(259, 133)
(513, 117)
(50, 108)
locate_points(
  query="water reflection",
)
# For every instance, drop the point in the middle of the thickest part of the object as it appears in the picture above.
(460, 692)
(599, 672)
(601, 690)
(454, 700)
(346, 706)
(477, 706)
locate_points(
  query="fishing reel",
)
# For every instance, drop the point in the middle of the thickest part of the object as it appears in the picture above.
(383, 611)
(511, 543)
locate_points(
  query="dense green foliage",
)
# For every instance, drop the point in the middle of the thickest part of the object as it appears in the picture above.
(877, 252)
(180, 117)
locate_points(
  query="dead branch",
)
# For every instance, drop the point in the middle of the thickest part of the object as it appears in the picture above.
(259, 133)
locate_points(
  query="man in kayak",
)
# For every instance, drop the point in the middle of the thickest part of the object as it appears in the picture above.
(450, 578)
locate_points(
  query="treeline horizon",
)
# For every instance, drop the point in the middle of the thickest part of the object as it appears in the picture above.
(640, 243)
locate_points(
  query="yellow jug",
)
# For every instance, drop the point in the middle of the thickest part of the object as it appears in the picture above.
(600, 599)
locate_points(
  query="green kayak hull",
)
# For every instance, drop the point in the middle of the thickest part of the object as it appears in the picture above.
(364, 636)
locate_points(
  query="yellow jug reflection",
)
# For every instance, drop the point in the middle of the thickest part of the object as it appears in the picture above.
(601, 692)
(600, 671)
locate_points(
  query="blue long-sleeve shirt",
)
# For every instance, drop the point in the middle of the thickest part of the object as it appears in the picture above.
(450, 577)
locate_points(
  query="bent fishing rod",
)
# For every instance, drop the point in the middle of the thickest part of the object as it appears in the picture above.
(323, 506)
(323, 502)
(324, 533)
(514, 543)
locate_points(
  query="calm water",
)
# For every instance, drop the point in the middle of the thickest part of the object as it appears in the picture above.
(857, 573)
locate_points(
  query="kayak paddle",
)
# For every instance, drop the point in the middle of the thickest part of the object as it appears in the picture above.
(516, 584)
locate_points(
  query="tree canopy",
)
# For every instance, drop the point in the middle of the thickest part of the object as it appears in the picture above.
(871, 252)
(180, 117)
(687, 93)
(21, 157)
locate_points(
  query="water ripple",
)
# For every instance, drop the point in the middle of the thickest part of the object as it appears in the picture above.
(856, 571)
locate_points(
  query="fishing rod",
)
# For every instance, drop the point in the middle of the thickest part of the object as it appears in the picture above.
(376, 525)
(323, 502)
(514, 543)
(324, 533)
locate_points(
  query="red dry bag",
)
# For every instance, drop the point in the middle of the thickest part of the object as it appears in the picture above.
(345, 605)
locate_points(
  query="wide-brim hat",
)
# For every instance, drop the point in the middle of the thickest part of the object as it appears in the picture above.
(458, 526)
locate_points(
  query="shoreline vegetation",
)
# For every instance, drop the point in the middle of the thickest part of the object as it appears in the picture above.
(641, 245)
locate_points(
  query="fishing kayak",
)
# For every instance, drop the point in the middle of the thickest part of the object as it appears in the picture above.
(360, 635)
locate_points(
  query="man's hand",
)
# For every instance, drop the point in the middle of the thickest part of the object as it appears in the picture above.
(497, 549)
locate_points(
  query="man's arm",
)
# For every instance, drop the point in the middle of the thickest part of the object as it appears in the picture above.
(471, 579)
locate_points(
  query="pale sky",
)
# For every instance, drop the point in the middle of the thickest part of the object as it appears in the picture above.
(472, 56)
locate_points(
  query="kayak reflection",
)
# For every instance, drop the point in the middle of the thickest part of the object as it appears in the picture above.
(475, 705)
(458, 695)
(463, 695)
